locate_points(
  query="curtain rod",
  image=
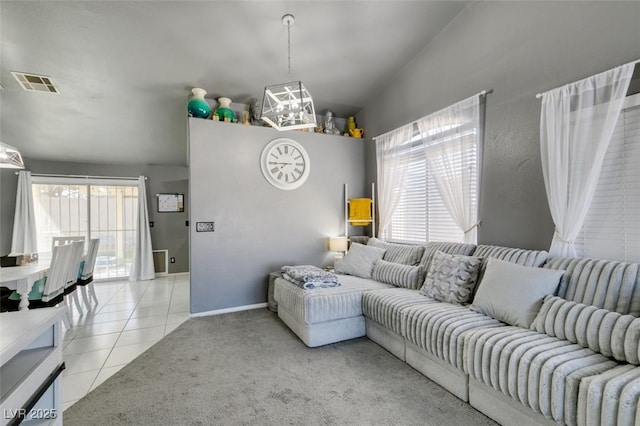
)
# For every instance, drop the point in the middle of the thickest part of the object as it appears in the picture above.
(84, 176)
(539, 95)
(481, 93)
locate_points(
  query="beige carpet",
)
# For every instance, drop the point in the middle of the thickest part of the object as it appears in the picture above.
(249, 368)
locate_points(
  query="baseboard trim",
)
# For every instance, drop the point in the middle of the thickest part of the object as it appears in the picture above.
(229, 310)
(174, 274)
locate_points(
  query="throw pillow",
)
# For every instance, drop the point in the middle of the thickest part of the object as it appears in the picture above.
(398, 253)
(359, 260)
(610, 333)
(451, 277)
(396, 274)
(513, 293)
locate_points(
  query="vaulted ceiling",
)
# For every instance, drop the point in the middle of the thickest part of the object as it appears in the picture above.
(124, 69)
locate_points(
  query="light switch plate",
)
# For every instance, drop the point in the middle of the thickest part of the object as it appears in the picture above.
(205, 227)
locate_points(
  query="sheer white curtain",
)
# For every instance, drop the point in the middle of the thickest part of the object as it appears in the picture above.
(576, 124)
(392, 155)
(452, 143)
(142, 267)
(24, 239)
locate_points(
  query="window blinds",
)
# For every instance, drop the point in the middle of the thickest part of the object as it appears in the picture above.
(421, 214)
(611, 228)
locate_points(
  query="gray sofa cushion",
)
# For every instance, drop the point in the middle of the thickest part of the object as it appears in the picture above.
(513, 255)
(438, 328)
(609, 333)
(610, 398)
(324, 304)
(359, 260)
(607, 284)
(398, 253)
(542, 372)
(514, 293)
(452, 278)
(397, 274)
(385, 306)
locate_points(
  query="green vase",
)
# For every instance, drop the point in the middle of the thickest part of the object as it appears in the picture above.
(224, 112)
(198, 106)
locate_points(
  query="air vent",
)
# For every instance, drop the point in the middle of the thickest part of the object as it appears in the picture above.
(35, 83)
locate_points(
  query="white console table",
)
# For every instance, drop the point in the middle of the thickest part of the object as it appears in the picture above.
(30, 363)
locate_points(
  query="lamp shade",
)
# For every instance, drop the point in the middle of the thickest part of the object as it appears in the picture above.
(338, 244)
(10, 157)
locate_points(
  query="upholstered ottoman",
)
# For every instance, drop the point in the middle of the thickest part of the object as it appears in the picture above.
(324, 315)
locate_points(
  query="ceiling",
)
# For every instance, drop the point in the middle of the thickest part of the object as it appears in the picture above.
(124, 69)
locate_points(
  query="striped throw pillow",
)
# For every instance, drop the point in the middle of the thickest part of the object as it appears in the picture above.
(396, 274)
(610, 333)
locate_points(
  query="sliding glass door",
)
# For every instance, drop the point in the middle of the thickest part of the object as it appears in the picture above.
(93, 209)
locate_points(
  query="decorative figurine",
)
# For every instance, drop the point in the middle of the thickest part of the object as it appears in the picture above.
(329, 125)
(254, 111)
(245, 118)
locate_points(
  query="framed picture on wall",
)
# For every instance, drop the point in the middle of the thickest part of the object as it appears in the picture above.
(170, 203)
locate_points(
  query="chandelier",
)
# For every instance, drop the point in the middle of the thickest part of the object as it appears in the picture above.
(10, 157)
(288, 106)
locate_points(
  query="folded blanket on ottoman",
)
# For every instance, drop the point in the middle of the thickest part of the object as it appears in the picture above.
(309, 276)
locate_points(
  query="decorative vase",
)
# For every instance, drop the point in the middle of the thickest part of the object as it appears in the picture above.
(198, 106)
(224, 111)
(351, 124)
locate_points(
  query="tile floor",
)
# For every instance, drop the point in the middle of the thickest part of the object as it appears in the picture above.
(131, 317)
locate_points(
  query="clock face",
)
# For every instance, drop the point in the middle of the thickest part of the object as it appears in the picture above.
(285, 163)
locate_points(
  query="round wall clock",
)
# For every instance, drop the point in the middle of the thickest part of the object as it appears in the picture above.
(285, 163)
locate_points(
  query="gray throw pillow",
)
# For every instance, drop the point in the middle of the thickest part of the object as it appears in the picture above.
(359, 260)
(513, 293)
(397, 274)
(451, 278)
(399, 253)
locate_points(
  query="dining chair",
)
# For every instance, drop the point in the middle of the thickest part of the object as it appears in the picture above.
(72, 273)
(85, 281)
(63, 241)
(49, 291)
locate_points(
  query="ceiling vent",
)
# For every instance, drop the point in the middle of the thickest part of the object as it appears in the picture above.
(35, 83)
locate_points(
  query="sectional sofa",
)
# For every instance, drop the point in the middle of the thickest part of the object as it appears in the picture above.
(576, 363)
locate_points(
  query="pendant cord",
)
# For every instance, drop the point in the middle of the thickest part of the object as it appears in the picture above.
(289, 47)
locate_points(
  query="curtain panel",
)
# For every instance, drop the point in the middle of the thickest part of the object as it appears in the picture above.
(576, 124)
(452, 145)
(392, 163)
(24, 240)
(142, 267)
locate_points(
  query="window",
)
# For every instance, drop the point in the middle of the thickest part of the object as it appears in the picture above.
(421, 214)
(96, 209)
(611, 228)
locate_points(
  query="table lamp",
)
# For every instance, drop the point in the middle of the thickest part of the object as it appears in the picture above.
(339, 245)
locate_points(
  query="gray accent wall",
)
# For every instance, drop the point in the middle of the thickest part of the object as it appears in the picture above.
(516, 49)
(169, 232)
(259, 228)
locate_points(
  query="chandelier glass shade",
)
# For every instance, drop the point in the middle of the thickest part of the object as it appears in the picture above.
(10, 157)
(288, 106)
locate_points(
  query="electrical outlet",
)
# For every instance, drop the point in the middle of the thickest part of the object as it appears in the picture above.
(172, 260)
(205, 226)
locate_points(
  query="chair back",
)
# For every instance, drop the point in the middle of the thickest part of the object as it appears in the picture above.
(57, 273)
(90, 259)
(73, 265)
(63, 241)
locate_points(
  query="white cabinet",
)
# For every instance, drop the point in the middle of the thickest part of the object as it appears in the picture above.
(30, 363)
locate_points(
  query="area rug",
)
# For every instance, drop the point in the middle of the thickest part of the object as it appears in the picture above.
(249, 368)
